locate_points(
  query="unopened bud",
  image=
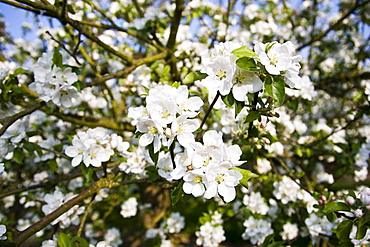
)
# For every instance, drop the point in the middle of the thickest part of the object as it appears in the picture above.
(350, 200)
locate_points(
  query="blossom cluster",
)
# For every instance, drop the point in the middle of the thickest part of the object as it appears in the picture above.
(173, 224)
(168, 115)
(211, 233)
(208, 169)
(54, 84)
(94, 146)
(57, 199)
(225, 74)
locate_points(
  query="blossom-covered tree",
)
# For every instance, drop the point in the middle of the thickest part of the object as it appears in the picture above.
(181, 123)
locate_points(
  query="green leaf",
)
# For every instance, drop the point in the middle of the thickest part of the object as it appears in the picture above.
(248, 64)
(176, 84)
(246, 176)
(166, 70)
(244, 51)
(87, 172)
(238, 107)
(277, 91)
(336, 206)
(153, 156)
(19, 71)
(57, 58)
(63, 240)
(82, 242)
(18, 155)
(343, 230)
(194, 76)
(228, 100)
(253, 115)
(267, 240)
(30, 146)
(269, 80)
(53, 165)
(177, 193)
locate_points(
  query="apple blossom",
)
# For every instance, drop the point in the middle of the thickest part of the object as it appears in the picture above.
(129, 207)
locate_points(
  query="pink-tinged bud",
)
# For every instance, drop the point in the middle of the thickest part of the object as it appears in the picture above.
(350, 200)
(365, 196)
(368, 207)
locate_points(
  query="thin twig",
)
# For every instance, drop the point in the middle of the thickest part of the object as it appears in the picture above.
(7, 121)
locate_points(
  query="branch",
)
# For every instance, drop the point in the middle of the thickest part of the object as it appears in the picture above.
(24, 235)
(334, 25)
(177, 15)
(93, 122)
(254, 108)
(207, 113)
(7, 121)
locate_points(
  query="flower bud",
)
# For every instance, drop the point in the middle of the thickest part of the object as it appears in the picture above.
(350, 200)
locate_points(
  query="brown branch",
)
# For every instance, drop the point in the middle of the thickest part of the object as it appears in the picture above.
(177, 15)
(334, 25)
(7, 121)
(93, 122)
(41, 224)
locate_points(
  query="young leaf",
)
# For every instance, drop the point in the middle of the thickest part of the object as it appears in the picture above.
(177, 193)
(246, 176)
(63, 240)
(19, 71)
(344, 230)
(238, 107)
(336, 206)
(248, 64)
(253, 115)
(228, 100)
(82, 242)
(244, 51)
(194, 76)
(277, 91)
(18, 155)
(57, 58)
(87, 172)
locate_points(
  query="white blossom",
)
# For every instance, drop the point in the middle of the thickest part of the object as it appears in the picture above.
(129, 208)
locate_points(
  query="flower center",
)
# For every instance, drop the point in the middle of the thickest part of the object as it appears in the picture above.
(197, 179)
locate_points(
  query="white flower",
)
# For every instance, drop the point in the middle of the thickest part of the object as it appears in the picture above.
(113, 237)
(49, 243)
(276, 59)
(359, 242)
(76, 151)
(194, 183)
(290, 231)
(222, 180)
(165, 166)
(263, 166)
(256, 203)
(95, 155)
(183, 163)
(1, 167)
(175, 223)
(2, 232)
(129, 208)
(153, 132)
(317, 226)
(210, 235)
(286, 190)
(57, 199)
(189, 106)
(183, 128)
(245, 82)
(365, 196)
(256, 230)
